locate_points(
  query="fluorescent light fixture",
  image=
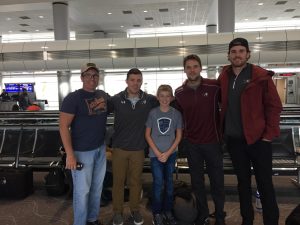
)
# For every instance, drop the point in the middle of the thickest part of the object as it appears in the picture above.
(260, 3)
(111, 45)
(267, 25)
(166, 31)
(145, 11)
(8, 18)
(41, 17)
(121, 26)
(109, 13)
(182, 9)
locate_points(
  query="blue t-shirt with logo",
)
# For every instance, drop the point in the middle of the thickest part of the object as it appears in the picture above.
(163, 128)
(89, 124)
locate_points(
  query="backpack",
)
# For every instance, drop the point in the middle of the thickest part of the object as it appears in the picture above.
(294, 217)
(55, 182)
(185, 204)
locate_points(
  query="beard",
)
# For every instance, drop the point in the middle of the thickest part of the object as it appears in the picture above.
(238, 62)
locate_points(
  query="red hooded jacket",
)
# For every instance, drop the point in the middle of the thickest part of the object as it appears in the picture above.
(260, 104)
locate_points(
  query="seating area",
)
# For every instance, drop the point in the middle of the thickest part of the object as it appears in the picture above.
(40, 143)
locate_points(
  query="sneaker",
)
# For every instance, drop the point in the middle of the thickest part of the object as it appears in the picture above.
(169, 218)
(118, 219)
(137, 218)
(206, 222)
(157, 220)
(94, 223)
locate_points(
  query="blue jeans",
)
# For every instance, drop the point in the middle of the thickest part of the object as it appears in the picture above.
(162, 174)
(87, 185)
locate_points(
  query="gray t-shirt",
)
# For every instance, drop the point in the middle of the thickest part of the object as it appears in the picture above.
(163, 128)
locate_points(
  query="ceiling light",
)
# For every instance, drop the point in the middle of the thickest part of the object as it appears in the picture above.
(121, 26)
(37, 30)
(111, 45)
(109, 13)
(259, 38)
(145, 11)
(10, 31)
(41, 17)
(8, 18)
(182, 9)
(246, 19)
(151, 25)
(260, 3)
(182, 23)
(44, 47)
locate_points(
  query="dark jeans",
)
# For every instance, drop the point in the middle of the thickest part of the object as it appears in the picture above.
(162, 179)
(259, 155)
(212, 156)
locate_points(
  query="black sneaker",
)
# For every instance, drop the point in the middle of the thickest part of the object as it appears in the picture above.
(169, 218)
(118, 219)
(137, 218)
(94, 223)
(157, 220)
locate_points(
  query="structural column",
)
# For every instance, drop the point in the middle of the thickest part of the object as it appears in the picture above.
(226, 14)
(61, 32)
(211, 27)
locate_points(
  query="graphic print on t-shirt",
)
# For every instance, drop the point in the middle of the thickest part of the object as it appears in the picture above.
(96, 105)
(164, 124)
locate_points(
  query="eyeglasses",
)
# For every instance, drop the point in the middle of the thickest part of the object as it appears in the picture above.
(91, 76)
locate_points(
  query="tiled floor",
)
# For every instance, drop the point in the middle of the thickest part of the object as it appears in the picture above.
(40, 209)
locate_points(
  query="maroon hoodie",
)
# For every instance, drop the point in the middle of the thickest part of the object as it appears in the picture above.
(199, 108)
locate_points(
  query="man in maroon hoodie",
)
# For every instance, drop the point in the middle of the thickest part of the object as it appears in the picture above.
(198, 99)
(250, 114)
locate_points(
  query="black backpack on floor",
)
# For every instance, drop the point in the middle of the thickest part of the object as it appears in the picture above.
(294, 217)
(55, 182)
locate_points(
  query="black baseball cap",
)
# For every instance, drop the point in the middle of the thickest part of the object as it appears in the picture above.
(239, 41)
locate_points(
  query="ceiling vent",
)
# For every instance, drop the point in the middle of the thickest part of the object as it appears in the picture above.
(166, 24)
(24, 17)
(289, 10)
(148, 18)
(23, 24)
(296, 17)
(164, 10)
(262, 18)
(136, 25)
(50, 29)
(24, 30)
(280, 2)
(127, 12)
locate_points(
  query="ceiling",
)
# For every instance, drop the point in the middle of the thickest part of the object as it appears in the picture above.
(88, 16)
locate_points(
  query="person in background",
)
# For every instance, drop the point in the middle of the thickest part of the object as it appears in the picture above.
(82, 124)
(131, 108)
(198, 100)
(24, 99)
(163, 134)
(4, 95)
(250, 114)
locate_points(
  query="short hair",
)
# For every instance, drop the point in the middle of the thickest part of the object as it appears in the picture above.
(164, 87)
(133, 71)
(192, 57)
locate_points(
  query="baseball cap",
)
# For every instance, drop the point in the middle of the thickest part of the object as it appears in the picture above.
(85, 67)
(239, 41)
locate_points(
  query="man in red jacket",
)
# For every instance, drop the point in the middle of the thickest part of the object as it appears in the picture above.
(250, 115)
(198, 100)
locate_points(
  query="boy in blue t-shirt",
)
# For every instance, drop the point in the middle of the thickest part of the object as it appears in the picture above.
(163, 134)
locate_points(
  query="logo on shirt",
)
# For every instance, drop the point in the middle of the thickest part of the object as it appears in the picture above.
(164, 124)
(96, 105)
(205, 94)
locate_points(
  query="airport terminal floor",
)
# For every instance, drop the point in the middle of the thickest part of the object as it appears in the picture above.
(41, 209)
